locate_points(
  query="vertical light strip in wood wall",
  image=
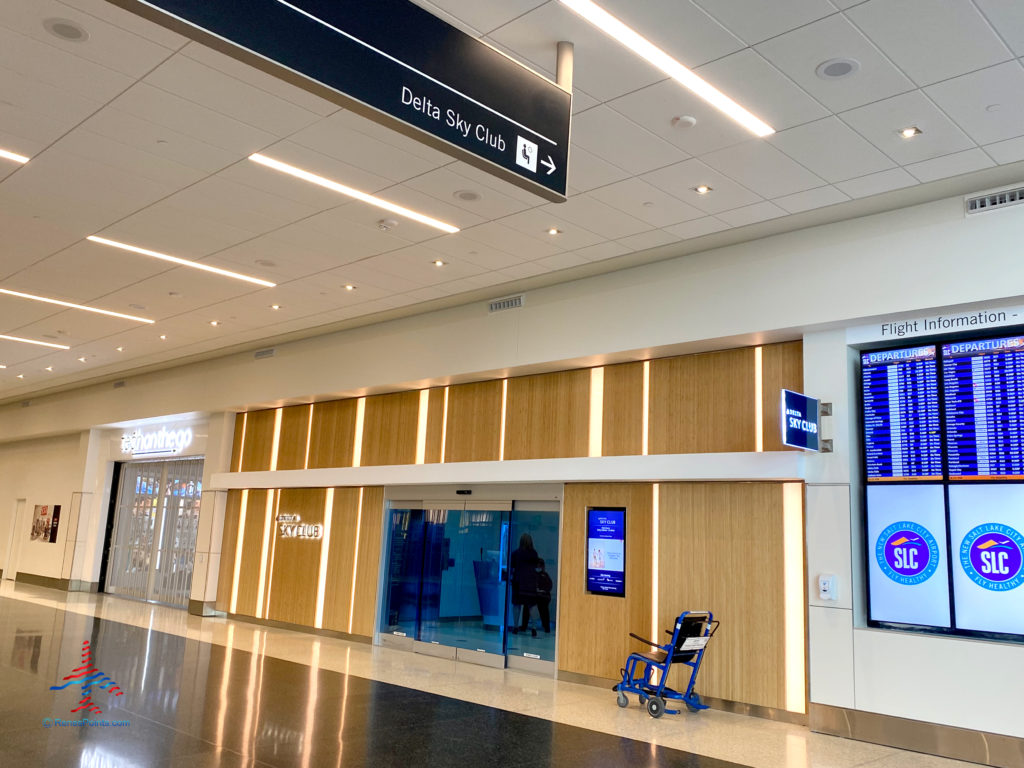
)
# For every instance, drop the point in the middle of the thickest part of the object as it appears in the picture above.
(421, 427)
(238, 550)
(596, 411)
(758, 401)
(355, 562)
(655, 515)
(793, 585)
(357, 439)
(309, 437)
(646, 408)
(261, 587)
(241, 445)
(444, 424)
(273, 555)
(504, 411)
(276, 447)
(321, 581)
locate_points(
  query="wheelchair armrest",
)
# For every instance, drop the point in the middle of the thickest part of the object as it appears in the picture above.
(644, 640)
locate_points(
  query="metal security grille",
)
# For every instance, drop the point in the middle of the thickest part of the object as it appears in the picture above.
(154, 540)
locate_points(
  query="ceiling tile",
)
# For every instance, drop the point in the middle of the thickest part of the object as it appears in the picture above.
(831, 149)
(951, 165)
(522, 271)
(679, 27)
(460, 246)
(1007, 16)
(337, 233)
(646, 202)
(653, 239)
(536, 223)
(748, 78)
(587, 171)
(126, 20)
(656, 107)
(597, 217)
(416, 263)
(876, 183)
(129, 159)
(798, 53)
(698, 227)
(681, 179)
(988, 104)
(26, 240)
(561, 261)
(602, 251)
(752, 214)
(196, 291)
(498, 236)
(880, 123)
(755, 20)
(482, 16)
(811, 199)
(83, 272)
(15, 312)
(282, 262)
(930, 40)
(608, 133)
(26, 132)
(439, 206)
(1007, 151)
(54, 108)
(602, 67)
(178, 231)
(764, 169)
(445, 183)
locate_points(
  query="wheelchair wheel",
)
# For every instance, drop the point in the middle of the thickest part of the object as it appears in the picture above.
(656, 706)
(692, 708)
(621, 700)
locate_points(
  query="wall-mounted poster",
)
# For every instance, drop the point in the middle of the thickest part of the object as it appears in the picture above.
(44, 523)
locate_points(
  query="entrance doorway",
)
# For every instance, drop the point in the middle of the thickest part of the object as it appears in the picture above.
(450, 587)
(10, 561)
(153, 542)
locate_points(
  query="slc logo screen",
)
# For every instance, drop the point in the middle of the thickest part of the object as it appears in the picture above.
(991, 556)
(907, 553)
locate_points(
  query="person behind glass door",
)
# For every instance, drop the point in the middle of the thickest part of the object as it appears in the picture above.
(524, 579)
(544, 587)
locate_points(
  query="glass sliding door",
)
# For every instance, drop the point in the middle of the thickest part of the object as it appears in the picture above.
(532, 636)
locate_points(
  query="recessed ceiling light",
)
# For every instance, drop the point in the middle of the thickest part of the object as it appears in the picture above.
(33, 341)
(467, 195)
(20, 376)
(702, 189)
(72, 305)
(49, 368)
(214, 322)
(120, 349)
(182, 262)
(66, 29)
(438, 263)
(615, 29)
(275, 307)
(8, 155)
(81, 359)
(313, 178)
(386, 225)
(2, 366)
(554, 231)
(834, 69)
(163, 337)
(910, 132)
(350, 287)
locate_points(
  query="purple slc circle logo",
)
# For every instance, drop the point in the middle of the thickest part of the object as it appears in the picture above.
(907, 553)
(992, 557)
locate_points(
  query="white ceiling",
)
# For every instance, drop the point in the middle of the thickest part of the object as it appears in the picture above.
(141, 136)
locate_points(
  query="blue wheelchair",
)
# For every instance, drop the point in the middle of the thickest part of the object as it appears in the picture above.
(693, 630)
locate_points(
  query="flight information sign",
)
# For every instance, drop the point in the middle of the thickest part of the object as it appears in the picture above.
(902, 436)
(984, 397)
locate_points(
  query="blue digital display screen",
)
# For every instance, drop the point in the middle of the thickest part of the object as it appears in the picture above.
(902, 434)
(606, 551)
(984, 397)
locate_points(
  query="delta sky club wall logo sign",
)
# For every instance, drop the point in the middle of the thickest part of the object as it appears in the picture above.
(88, 676)
(907, 553)
(992, 556)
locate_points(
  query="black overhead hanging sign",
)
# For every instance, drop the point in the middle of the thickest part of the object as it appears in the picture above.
(401, 66)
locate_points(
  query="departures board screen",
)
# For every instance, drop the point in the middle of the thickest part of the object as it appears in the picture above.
(984, 397)
(902, 433)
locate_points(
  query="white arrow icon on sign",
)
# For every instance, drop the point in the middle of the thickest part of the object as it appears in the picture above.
(549, 164)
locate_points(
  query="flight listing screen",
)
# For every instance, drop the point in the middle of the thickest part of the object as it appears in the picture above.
(902, 436)
(984, 397)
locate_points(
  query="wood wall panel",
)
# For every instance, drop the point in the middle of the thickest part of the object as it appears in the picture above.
(548, 415)
(622, 418)
(368, 568)
(594, 629)
(340, 558)
(227, 548)
(252, 544)
(259, 440)
(721, 549)
(389, 429)
(331, 442)
(291, 452)
(236, 446)
(782, 367)
(295, 568)
(703, 403)
(435, 426)
(474, 422)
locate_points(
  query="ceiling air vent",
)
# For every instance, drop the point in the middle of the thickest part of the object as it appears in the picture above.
(993, 200)
(509, 302)
(260, 354)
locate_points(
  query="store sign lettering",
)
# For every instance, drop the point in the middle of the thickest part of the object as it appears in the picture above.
(291, 527)
(154, 443)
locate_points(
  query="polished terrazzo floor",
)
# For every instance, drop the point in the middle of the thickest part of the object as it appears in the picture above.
(213, 692)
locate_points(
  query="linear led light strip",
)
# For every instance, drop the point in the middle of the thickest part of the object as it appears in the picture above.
(13, 156)
(645, 49)
(72, 305)
(334, 186)
(182, 262)
(33, 341)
